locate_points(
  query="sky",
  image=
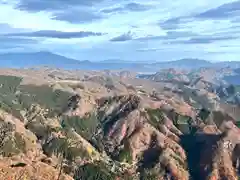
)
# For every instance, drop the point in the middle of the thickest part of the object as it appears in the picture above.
(129, 30)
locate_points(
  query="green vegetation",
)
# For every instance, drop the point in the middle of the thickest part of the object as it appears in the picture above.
(9, 104)
(64, 147)
(10, 143)
(9, 149)
(156, 117)
(170, 76)
(85, 126)
(96, 171)
(9, 84)
(76, 86)
(149, 175)
(8, 100)
(203, 114)
(15, 97)
(180, 121)
(152, 173)
(20, 142)
(183, 119)
(125, 155)
(45, 96)
(178, 160)
(40, 128)
(183, 123)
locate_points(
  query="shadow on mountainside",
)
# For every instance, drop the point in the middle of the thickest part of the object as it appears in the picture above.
(196, 146)
(150, 157)
(121, 112)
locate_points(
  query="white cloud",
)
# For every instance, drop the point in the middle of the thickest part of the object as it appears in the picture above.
(139, 23)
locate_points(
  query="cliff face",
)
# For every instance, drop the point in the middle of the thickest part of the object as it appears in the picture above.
(66, 129)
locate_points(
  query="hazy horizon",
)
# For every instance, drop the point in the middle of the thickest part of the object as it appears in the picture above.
(128, 30)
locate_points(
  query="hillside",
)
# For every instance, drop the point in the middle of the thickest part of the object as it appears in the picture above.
(109, 125)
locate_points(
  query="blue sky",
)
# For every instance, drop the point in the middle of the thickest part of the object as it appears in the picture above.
(137, 30)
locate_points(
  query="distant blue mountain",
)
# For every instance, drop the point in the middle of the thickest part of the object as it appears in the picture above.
(20, 60)
(43, 58)
(185, 63)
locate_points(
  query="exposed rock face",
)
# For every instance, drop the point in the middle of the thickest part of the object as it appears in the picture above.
(180, 131)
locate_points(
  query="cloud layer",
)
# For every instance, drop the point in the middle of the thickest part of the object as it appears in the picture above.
(126, 29)
(54, 34)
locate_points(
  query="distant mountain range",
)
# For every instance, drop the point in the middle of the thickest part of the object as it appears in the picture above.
(20, 60)
(191, 63)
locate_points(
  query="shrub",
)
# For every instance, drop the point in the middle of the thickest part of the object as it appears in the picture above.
(77, 86)
(45, 96)
(66, 148)
(203, 114)
(85, 126)
(149, 174)
(20, 142)
(155, 117)
(125, 156)
(10, 143)
(96, 171)
(9, 84)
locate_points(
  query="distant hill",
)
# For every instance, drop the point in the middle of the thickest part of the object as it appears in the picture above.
(44, 58)
(185, 63)
(18, 60)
